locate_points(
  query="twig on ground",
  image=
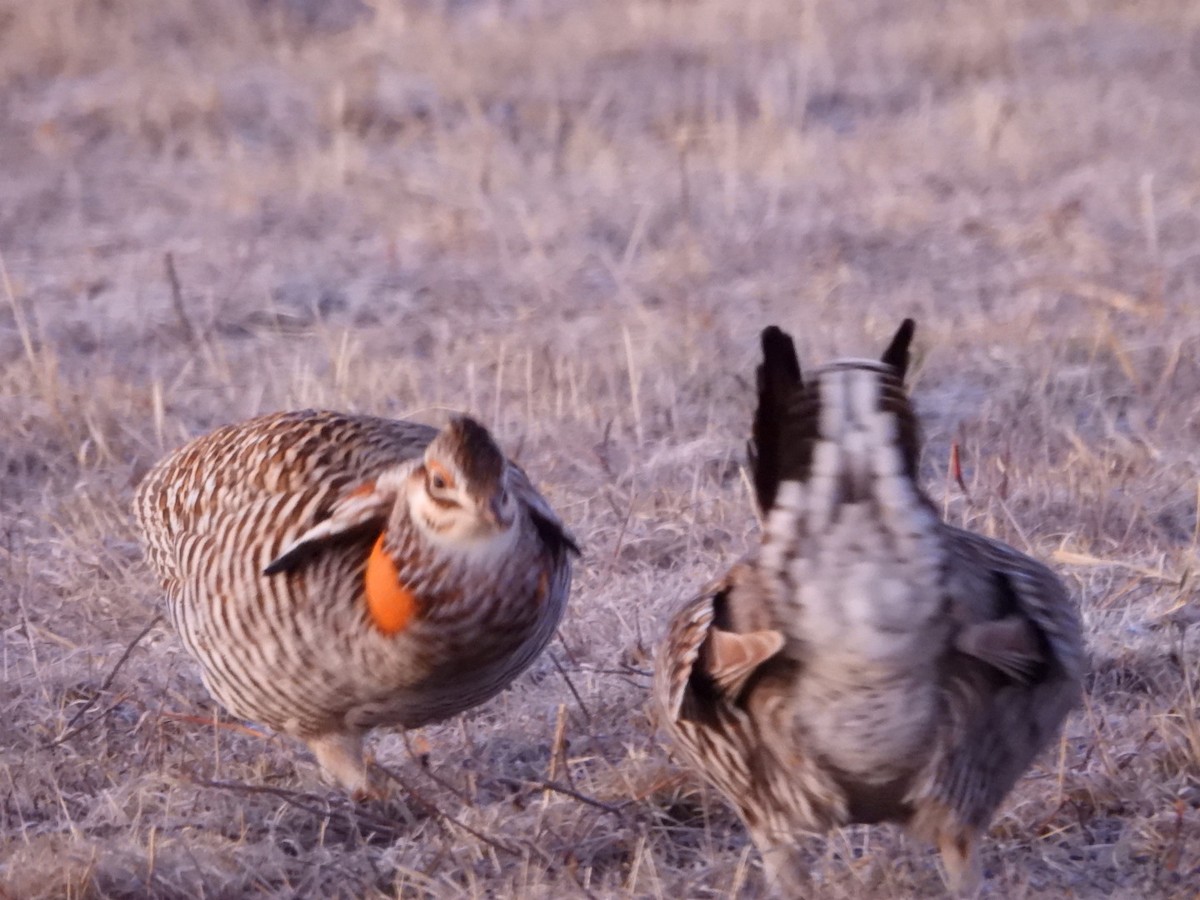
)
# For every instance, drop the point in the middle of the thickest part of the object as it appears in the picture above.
(344, 808)
(112, 674)
(587, 714)
(441, 782)
(209, 722)
(189, 330)
(543, 785)
(433, 809)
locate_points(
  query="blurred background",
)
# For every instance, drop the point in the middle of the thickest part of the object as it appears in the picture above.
(430, 171)
(572, 219)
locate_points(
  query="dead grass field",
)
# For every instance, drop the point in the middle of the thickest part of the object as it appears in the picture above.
(572, 219)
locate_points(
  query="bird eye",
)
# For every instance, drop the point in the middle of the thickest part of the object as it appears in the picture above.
(437, 482)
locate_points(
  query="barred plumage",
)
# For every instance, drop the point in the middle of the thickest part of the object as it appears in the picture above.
(334, 572)
(867, 662)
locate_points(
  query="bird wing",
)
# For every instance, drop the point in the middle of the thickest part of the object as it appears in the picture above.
(365, 508)
(1009, 607)
(1013, 671)
(715, 643)
(680, 651)
(722, 685)
(695, 686)
(550, 528)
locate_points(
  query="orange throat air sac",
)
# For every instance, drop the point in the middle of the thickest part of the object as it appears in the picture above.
(390, 603)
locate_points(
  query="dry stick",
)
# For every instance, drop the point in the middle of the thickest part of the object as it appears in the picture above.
(441, 782)
(295, 798)
(612, 562)
(543, 785)
(558, 749)
(567, 678)
(108, 710)
(558, 752)
(437, 813)
(44, 377)
(18, 316)
(1029, 548)
(626, 671)
(208, 722)
(189, 331)
(956, 469)
(748, 484)
(567, 647)
(572, 871)
(103, 687)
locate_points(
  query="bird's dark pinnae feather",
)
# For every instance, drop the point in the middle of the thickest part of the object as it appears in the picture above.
(779, 381)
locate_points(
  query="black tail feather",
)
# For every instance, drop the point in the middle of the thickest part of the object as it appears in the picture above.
(779, 381)
(896, 355)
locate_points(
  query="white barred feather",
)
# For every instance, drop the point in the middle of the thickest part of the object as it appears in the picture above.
(921, 667)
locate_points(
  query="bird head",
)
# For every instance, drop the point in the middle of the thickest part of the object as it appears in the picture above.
(460, 493)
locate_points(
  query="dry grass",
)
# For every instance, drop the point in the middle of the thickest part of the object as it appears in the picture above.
(572, 218)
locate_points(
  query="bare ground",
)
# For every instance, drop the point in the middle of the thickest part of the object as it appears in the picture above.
(572, 219)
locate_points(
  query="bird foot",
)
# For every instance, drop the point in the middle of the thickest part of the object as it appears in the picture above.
(964, 874)
(341, 757)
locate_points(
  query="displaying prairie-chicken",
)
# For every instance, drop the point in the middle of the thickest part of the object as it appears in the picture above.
(867, 662)
(332, 572)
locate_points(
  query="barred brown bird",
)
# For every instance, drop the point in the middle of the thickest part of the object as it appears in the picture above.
(332, 573)
(867, 662)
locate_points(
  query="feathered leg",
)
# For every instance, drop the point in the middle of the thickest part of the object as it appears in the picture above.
(964, 873)
(341, 755)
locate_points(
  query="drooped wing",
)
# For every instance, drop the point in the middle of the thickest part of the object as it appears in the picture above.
(715, 644)
(1001, 583)
(722, 679)
(1013, 672)
(677, 655)
(709, 728)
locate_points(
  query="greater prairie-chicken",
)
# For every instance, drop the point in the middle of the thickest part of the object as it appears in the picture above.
(867, 662)
(332, 573)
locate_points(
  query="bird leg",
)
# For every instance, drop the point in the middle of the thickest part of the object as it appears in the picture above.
(964, 874)
(784, 875)
(340, 754)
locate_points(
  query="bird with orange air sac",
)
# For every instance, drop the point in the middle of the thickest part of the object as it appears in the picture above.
(333, 573)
